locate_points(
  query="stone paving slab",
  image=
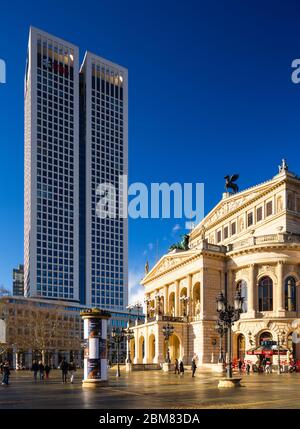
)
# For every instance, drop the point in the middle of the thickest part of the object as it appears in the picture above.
(152, 389)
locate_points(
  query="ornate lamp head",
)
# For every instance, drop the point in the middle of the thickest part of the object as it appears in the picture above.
(221, 302)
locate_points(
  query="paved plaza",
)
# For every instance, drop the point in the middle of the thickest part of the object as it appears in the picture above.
(153, 389)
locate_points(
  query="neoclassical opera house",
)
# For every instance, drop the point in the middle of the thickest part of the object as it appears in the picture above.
(249, 242)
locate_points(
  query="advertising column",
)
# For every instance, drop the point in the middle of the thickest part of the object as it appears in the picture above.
(95, 347)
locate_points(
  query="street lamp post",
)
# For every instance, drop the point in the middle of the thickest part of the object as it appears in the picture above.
(228, 314)
(117, 336)
(128, 333)
(221, 330)
(168, 331)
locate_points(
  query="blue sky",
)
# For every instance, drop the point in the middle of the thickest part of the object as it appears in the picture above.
(210, 94)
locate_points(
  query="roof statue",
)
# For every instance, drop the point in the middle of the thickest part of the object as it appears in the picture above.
(283, 166)
(230, 183)
(183, 245)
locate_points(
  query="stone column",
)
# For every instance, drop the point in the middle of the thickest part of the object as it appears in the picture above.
(278, 303)
(146, 347)
(190, 292)
(136, 347)
(177, 310)
(166, 309)
(251, 292)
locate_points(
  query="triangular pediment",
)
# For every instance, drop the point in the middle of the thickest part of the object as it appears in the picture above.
(168, 262)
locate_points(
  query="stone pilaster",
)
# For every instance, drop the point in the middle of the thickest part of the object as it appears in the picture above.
(190, 292)
(177, 309)
(251, 293)
(166, 301)
(279, 301)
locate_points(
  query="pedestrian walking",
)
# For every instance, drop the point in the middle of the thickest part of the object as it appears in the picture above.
(6, 374)
(181, 368)
(176, 366)
(240, 365)
(248, 368)
(194, 367)
(35, 369)
(47, 371)
(72, 370)
(64, 366)
(41, 370)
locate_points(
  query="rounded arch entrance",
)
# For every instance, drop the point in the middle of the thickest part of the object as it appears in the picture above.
(240, 346)
(151, 348)
(183, 301)
(175, 347)
(196, 300)
(132, 348)
(141, 349)
(172, 304)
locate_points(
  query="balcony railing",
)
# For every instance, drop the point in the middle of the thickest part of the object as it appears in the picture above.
(265, 239)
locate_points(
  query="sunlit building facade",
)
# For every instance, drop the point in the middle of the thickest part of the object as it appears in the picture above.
(249, 242)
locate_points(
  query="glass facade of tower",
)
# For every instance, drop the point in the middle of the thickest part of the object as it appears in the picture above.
(75, 139)
(55, 170)
(107, 155)
(51, 159)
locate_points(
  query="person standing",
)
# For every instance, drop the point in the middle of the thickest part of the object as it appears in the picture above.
(181, 368)
(248, 368)
(240, 365)
(194, 367)
(41, 369)
(64, 366)
(6, 374)
(35, 369)
(72, 369)
(47, 371)
(176, 366)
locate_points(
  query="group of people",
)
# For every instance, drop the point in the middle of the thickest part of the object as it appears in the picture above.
(179, 367)
(41, 369)
(262, 366)
(44, 370)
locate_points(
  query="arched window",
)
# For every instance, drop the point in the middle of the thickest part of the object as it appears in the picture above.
(265, 294)
(290, 294)
(242, 288)
(241, 346)
(265, 337)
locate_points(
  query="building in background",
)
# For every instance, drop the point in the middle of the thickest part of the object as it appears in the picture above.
(47, 330)
(18, 281)
(39, 329)
(75, 139)
(103, 138)
(51, 230)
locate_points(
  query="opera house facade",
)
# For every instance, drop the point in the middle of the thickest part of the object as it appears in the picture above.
(250, 241)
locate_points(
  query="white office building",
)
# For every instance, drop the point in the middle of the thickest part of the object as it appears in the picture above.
(75, 139)
(104, 117)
